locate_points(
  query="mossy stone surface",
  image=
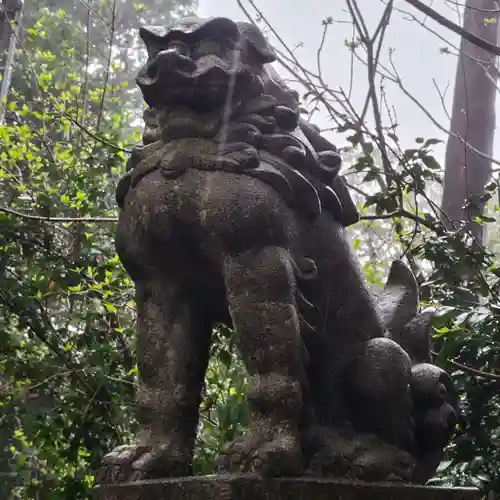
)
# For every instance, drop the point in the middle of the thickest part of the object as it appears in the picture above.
(249, 488)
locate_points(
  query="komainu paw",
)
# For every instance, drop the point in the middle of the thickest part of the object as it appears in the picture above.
(134, 462)
(258, 453)
(361, 456)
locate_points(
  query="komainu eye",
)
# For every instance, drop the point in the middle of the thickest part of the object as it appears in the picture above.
(179, 47)
(208, 47)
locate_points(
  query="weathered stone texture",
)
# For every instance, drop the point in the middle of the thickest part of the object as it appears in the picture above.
(224, 488)
(233, 211)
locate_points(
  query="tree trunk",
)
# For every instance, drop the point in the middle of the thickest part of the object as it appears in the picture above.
(473, 119)
(10, 18)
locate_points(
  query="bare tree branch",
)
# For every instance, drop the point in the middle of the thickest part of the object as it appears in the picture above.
(469, 370)
(400, 214)
(56, 219)
(489, 47)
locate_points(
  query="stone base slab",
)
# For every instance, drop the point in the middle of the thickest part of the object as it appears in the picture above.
(254, 488)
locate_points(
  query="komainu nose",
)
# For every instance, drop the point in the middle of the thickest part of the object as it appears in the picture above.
(176, 58)
(164, 69)
(164, 66)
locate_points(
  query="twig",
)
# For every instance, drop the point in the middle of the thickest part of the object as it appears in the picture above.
(442, 95)
(108, 66)
(443, 21)
(320, 49)
(469, 369)
(407, 16)
(276, 34)
(395, 78)
(95, 13)
(311, 87)
(351, 66)
(372, 61)
(95, 136)
(56, 219)
(400, 214)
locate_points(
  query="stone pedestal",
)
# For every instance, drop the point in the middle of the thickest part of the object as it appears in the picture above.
(252, 488)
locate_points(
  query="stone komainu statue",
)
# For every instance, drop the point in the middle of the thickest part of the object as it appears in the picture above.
(232, 211)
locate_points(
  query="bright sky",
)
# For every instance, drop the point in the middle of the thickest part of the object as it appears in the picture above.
(417, 56)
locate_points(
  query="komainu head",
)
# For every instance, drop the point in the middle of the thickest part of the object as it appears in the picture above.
(203, 63)
(211, 80)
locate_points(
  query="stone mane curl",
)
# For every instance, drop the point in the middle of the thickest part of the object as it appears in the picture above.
(262, 138)
(262, 135)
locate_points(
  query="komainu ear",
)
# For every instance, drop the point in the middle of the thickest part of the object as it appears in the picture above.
(398, 303)
(190, 30)
(258, 42)
(153, 34)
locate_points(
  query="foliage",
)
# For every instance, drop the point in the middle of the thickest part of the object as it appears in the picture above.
(223, 411)
(67, 368)
(466, 339)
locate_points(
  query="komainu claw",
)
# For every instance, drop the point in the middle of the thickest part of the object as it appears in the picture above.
(133, 462)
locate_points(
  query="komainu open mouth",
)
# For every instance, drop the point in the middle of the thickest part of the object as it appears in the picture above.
(202, 68)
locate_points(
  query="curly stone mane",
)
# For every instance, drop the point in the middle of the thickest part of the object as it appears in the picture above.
(260, 135)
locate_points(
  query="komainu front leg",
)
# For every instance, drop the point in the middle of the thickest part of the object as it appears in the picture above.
(172, 348)
(261, 294)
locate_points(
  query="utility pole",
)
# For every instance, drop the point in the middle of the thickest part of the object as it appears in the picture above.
(10, 24)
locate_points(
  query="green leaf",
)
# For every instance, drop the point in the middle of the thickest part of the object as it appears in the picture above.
(432, 142)
(110, 307)
(430, 162)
